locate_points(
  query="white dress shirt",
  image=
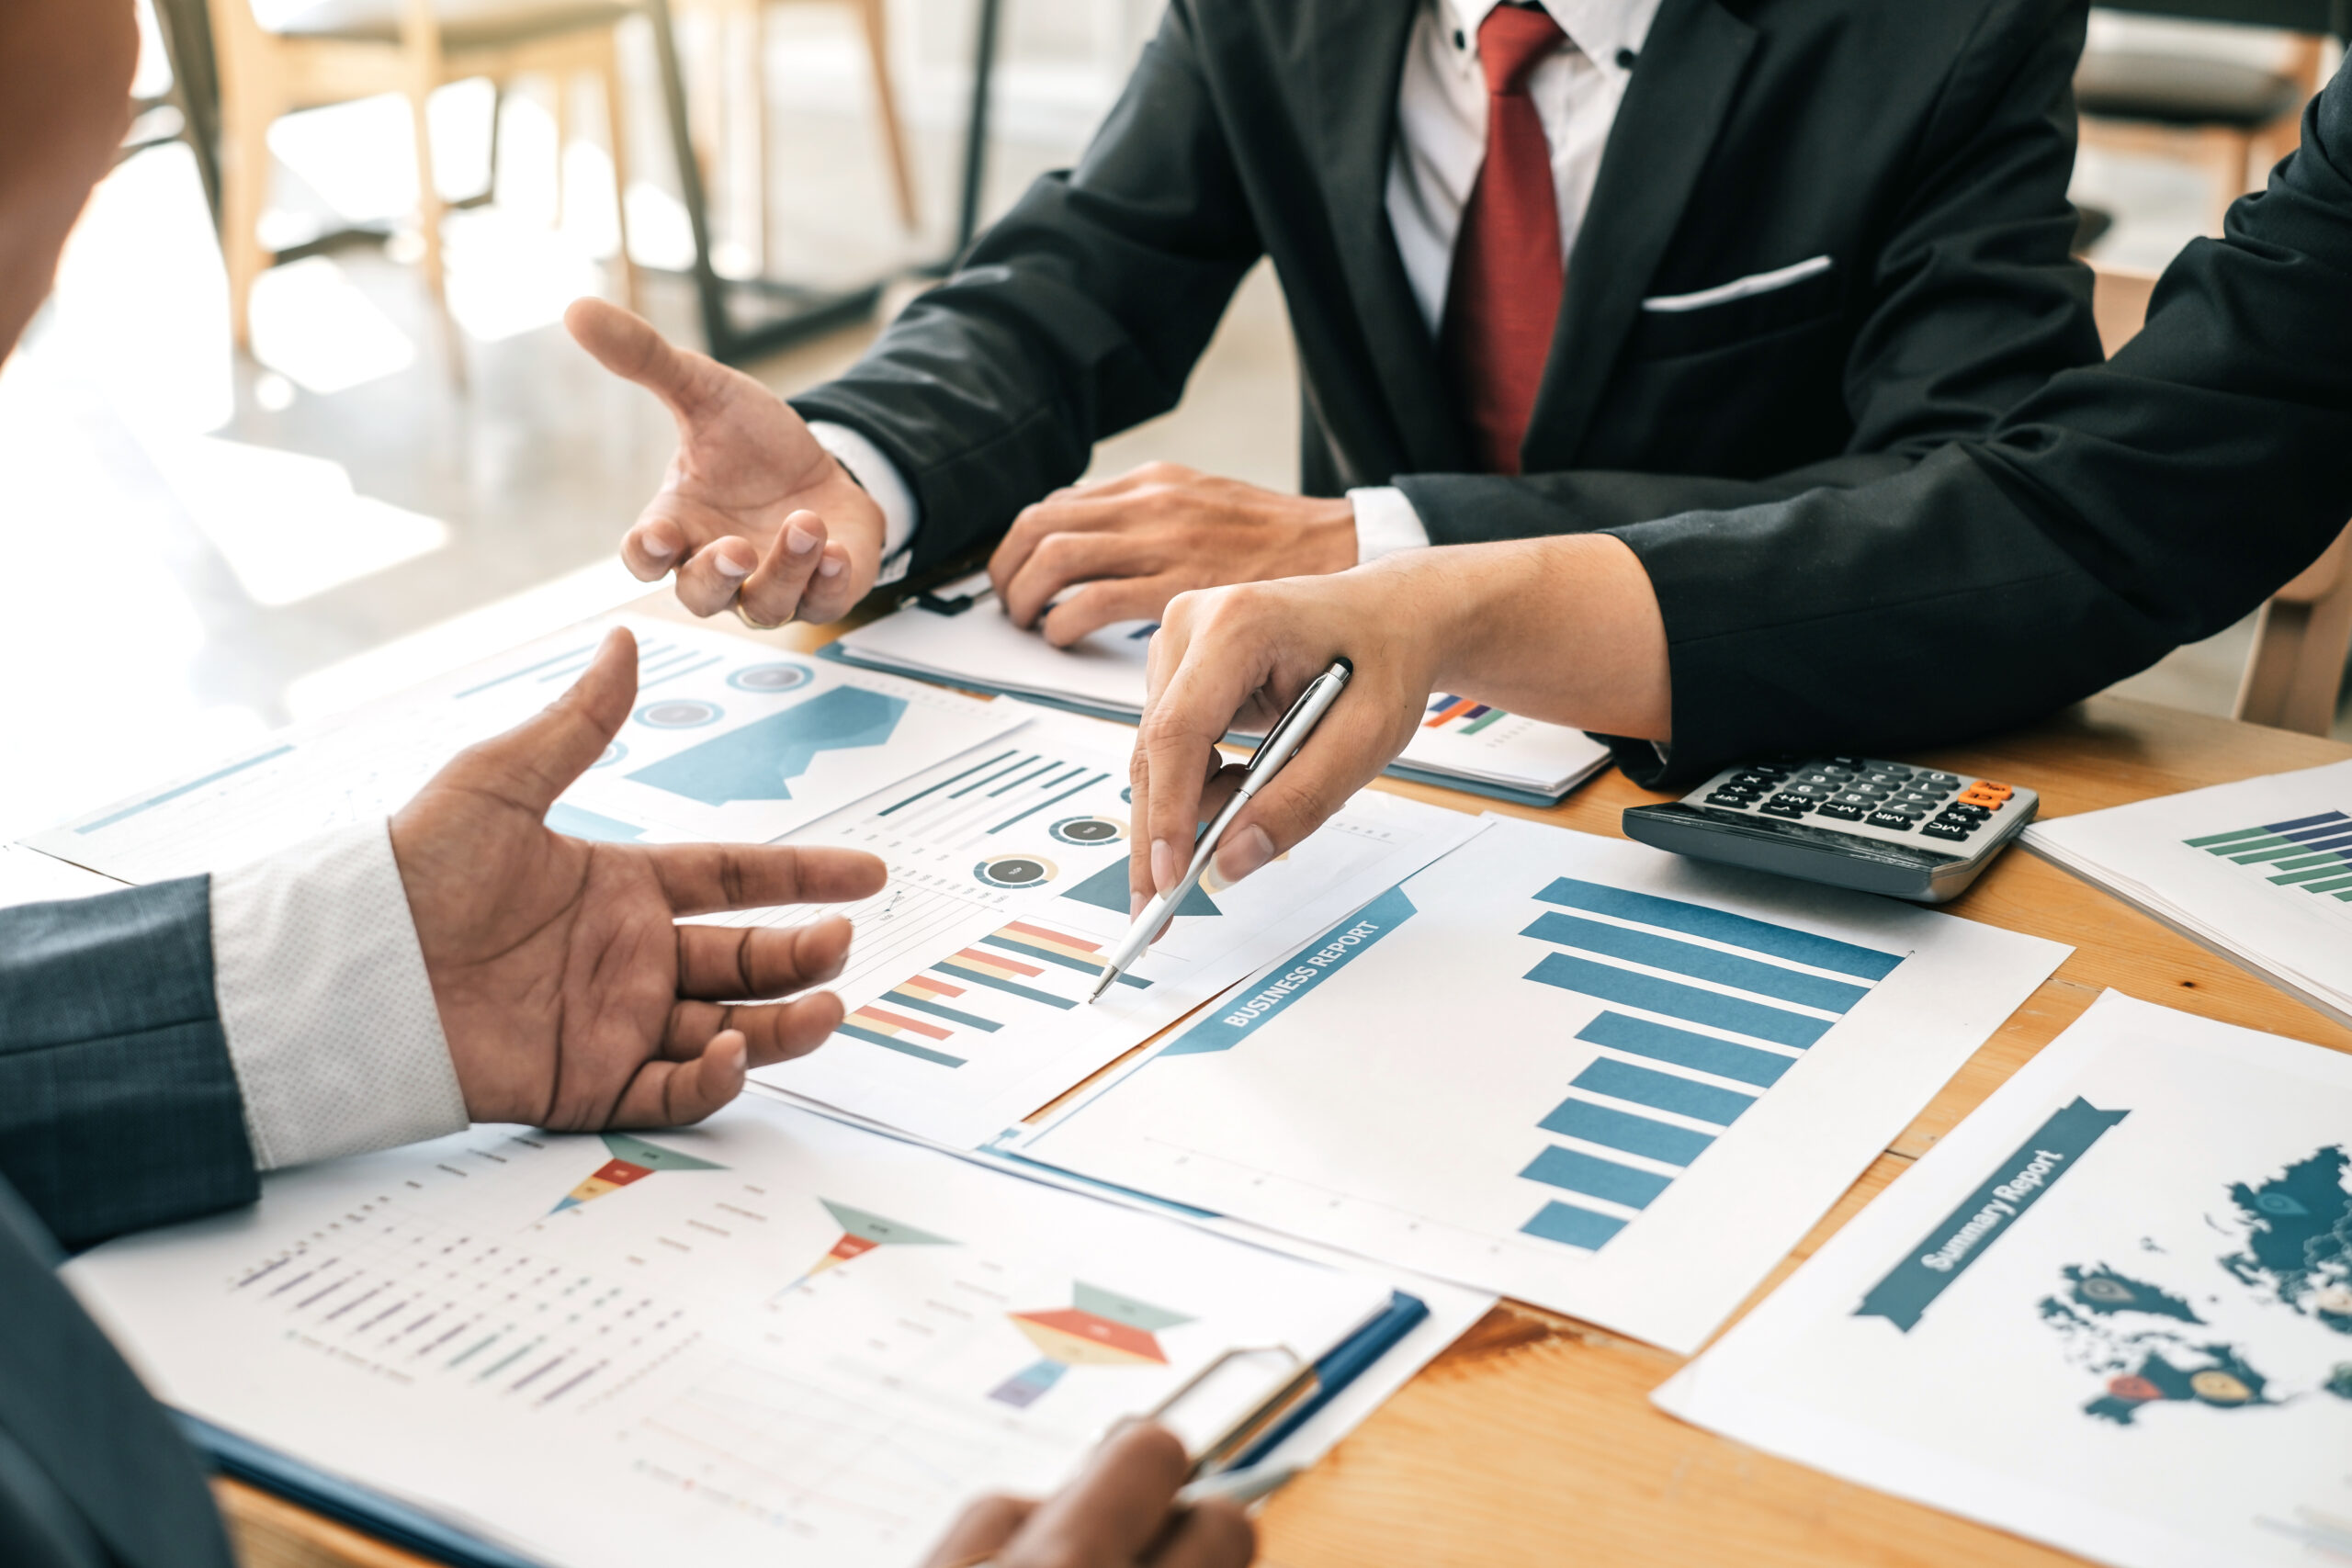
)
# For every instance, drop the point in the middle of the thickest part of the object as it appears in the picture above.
(1440, 144)
(333, 1031)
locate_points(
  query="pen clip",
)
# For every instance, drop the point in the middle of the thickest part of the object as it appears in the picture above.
(1268, 748)
(1262, 1411)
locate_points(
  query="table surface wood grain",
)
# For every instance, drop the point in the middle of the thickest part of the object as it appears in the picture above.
(1533, 1440)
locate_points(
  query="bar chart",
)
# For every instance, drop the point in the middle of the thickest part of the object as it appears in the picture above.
(2306, 854)
(1001, 979)
(1704, 1010)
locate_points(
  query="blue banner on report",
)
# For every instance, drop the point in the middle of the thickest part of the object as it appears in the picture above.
(1945, 1253)
(1327, 956)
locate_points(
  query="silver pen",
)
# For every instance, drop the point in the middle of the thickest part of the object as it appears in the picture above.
(1281, 744)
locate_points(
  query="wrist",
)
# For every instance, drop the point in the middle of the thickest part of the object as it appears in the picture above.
(1327, 533)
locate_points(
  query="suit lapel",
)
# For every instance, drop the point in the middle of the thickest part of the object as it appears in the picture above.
(1359, 61)
(1665, 128)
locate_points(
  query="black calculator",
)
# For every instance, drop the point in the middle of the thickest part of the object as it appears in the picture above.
(1849, 821)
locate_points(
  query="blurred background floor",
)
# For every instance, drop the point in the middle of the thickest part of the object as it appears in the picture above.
(202, 547)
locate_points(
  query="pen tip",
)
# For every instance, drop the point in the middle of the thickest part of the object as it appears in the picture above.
(1101, 986)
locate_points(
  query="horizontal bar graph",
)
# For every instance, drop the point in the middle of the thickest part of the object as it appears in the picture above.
(1466, 716)
(2307, 854)
(1703, 1011)
(943, 1014)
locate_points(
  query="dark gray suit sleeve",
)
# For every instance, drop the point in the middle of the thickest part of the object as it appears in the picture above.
(1080, 313)
(2125, 509)
(119, 1105)
(1975, 302)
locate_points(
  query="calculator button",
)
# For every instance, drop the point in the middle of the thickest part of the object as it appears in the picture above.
(1787, 806)
(1964, 812)
(1940, 781)
(1917, 797)
(1864, 799)
(1737, 802)
(1900, 821)
(1851, 764)
(1955, 832)
(1844, 811)
(1748, 778)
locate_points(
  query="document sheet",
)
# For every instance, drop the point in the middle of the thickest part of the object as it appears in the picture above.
(2113, 1311)
(772, 1339)
(2260, 871)
(727, 739)
(1459, 739)
(1584, 1073)
(966, 986)
(29, 877)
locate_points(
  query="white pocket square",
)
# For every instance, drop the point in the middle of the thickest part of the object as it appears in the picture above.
(1739, 288)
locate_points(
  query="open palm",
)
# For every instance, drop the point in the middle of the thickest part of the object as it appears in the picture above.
(570, 997)
(752, 512)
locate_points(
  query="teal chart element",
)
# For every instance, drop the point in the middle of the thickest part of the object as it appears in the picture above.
(575, 822)
(1986, 1214)
(1108, 889)
(760, 761)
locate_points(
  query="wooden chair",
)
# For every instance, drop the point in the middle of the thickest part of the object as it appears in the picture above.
(2229, 118)
(2302, 634)
(337, 51)
(872, 19)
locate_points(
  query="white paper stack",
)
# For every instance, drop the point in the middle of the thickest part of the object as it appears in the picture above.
(2260, 870)
(971, 643)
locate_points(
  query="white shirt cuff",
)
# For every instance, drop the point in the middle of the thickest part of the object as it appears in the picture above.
(881, 480)
(1385, 523)
(331, 1027)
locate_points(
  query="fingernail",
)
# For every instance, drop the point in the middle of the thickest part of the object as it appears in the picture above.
(800, 539)
(728, 567)
(831, 568)
(1165, 867)
(1136, 902)
(1243, 853)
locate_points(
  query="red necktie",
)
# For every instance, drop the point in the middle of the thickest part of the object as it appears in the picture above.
(1504, 293)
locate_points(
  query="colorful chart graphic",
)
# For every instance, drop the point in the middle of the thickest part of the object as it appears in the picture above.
(1108, 889)
(1016, 871)
(967, 992)
(1743, 997)
(1100, 1329)
(770, 677)
(680, 712)
(633, 1160)
(2310, 854)
(1460, 716)
(1088, 830)
(2151, 1347)
(759, 761)
(862, 1231)
(992, 796)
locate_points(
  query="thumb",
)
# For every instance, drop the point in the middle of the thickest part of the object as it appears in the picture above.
(628, 345)
(538, 761)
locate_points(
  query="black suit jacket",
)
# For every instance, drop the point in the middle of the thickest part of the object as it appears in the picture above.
(1923, 145)
(118, 1109)
(2125, 509)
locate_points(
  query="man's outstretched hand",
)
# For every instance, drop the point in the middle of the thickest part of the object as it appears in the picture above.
(1117, 1515)
(753, 512)
(569, 998)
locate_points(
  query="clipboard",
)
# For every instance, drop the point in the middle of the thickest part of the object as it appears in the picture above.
(1237, 1443)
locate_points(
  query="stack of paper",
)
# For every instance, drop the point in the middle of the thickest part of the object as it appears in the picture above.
(1461, 742)
(2112, 1310)
(2258, 871)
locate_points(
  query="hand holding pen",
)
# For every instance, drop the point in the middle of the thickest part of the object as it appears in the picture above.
(1281, 744)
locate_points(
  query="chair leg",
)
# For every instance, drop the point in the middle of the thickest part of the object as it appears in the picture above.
(616, 128)
(886, 102)
(244, 193)
(564, 85)
(429, 213)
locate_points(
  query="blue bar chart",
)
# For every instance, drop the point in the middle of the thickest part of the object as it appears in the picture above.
(1704, 1012)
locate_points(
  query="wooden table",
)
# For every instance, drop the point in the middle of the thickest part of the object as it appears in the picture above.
(1533, 1440)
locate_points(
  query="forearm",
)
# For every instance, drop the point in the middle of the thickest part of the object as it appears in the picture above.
(1467, 509)
(1567, 630)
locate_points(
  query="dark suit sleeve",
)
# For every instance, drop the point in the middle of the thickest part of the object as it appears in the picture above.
(118, 1106)
(1078, 313)
(2124, 510)
(1974, 303)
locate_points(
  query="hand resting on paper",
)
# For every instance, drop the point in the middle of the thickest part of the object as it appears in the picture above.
(570, 997)
(1117, 1515)
(1125, 546)
(753, 514)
